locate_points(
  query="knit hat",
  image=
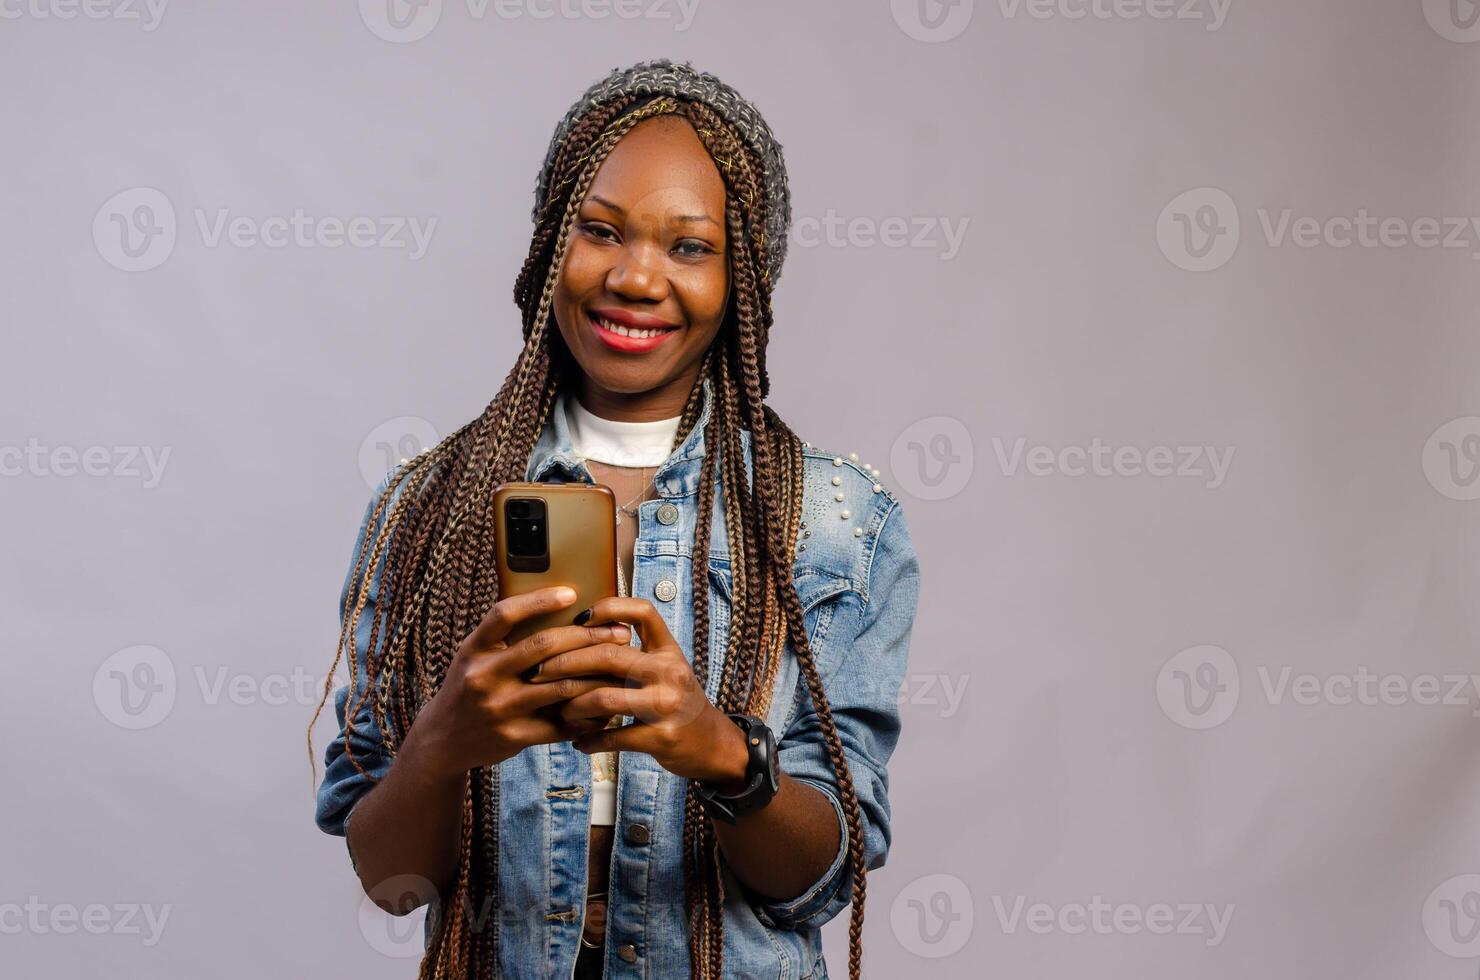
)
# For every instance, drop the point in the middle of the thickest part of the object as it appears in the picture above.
(663, 77)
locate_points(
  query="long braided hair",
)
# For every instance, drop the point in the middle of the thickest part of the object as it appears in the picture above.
(438, 529)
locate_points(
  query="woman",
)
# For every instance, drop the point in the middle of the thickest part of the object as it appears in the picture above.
(742, 803)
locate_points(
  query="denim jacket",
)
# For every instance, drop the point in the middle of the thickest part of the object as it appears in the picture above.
(857, 575)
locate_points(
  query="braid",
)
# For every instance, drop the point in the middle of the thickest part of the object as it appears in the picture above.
(436, 587)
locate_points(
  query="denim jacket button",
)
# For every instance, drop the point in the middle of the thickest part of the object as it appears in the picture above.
(665, 590)
(637, 833)
(627, 952)
(667, 514)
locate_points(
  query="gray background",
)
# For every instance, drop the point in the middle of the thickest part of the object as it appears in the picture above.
(1115, 641)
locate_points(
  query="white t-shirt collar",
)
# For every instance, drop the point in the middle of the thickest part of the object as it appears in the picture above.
(618, 443)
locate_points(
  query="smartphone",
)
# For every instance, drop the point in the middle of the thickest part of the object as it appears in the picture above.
(555, 534)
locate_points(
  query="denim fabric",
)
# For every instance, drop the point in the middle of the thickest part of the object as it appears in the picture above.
(858, 579)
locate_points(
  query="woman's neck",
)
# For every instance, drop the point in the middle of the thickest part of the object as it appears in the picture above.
(666, 401)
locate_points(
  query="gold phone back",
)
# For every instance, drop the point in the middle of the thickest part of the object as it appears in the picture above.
(581, 527)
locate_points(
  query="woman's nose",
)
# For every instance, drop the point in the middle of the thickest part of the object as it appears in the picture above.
(635, 273)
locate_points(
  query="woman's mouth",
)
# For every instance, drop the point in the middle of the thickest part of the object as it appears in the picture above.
(628, 339)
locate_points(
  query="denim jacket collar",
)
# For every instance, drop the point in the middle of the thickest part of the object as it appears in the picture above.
(554, 456)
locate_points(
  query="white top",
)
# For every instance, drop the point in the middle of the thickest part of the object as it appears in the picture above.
(616, 444)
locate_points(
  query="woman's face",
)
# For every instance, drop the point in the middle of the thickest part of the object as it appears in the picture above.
(646, 276)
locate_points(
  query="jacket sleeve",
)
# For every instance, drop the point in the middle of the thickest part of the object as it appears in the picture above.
(863, 692)
(344, 782)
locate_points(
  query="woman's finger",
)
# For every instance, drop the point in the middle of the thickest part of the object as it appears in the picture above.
(617, 660)
(651, 629)
(524, 656)
(606, 701)
(505, 614)
(533, 697)
(633, 737)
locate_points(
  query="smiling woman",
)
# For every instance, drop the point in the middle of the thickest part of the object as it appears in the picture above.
(751, 796)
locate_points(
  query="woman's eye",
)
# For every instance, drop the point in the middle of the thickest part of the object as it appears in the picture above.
(599, 231)
(694, 247)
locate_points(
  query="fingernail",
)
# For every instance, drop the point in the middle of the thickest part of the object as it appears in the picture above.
(565, 594)
(620, 632)
(582, 616)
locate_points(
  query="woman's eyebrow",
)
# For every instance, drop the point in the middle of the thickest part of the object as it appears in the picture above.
(689, 218)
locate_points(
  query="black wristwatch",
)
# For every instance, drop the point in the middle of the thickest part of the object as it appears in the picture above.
(762, 774)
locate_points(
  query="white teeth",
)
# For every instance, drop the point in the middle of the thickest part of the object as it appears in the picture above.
(624, 331)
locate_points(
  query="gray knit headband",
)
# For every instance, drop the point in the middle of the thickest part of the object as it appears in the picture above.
(663, 77)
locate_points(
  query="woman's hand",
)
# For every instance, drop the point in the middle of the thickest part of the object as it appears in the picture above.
(677, 723)
(485, 712)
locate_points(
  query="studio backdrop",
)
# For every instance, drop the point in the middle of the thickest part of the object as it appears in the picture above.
(1159, 317)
